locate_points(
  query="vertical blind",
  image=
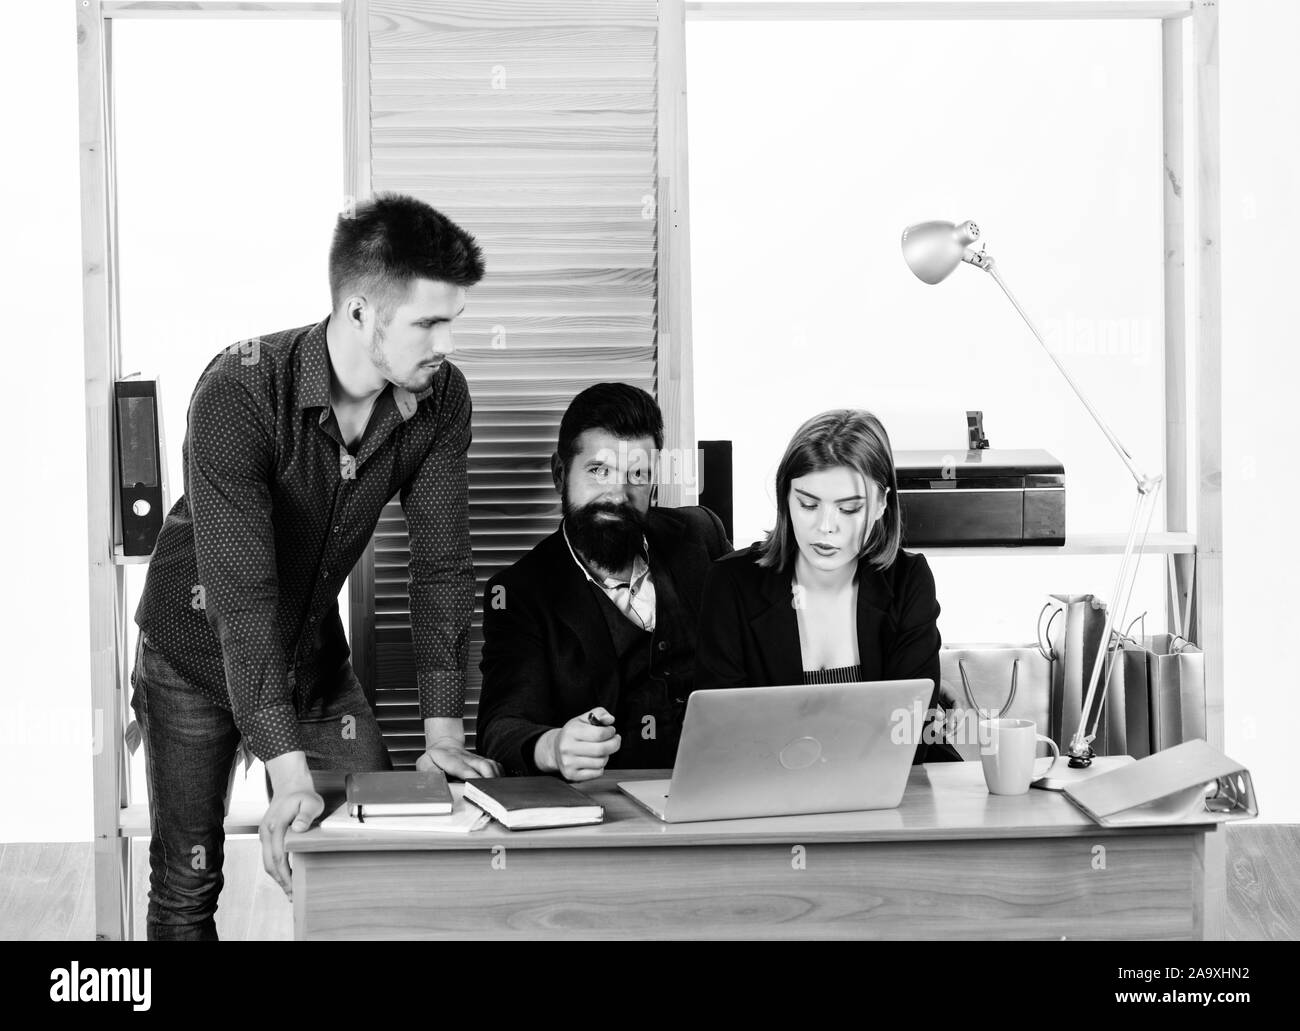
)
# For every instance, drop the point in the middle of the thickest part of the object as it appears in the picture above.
(533, 125)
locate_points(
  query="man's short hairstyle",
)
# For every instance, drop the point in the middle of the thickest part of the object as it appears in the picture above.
(856, 440)
(392, 240)
(626, 411)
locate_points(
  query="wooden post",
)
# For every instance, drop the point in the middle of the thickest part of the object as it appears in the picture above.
(675, 371)
(356, 187)
(1177, 456)
(1209, 413)
(1209, 508)
(356, 99)
(101, 369)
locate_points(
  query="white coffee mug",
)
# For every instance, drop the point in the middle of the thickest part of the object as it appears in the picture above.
(1007, 753)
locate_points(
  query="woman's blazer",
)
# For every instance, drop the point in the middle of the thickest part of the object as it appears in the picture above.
(749, 632)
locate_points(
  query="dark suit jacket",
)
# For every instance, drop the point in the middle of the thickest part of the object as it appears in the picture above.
(547, 650)
(749, 632)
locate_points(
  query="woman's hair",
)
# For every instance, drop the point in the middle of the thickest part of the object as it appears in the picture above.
(853, 439)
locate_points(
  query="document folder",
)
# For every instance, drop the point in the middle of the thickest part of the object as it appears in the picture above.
(1188, 783)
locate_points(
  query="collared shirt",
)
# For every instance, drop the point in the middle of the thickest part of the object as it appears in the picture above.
(634, 598)
(242, 590)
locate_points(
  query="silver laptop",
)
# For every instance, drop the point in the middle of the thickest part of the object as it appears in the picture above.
(778, 751)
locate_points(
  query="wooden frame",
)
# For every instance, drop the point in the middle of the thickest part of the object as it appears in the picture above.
(1209, 410)
(938, 10)
(217, 9)
(107, 579)
(116, 819)
(1196, 556)
(356, 187)
(676, 386)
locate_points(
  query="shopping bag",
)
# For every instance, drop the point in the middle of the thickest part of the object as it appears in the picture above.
(1070, 629)
(991, 681)
(1175, 679)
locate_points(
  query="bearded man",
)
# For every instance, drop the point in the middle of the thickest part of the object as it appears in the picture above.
(589, 639)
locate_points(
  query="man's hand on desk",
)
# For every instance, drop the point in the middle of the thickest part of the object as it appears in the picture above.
(295, 805)
(444, 749)
(455, 760)
(580, 749)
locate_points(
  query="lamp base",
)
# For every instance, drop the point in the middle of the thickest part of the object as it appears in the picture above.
(1061, 776)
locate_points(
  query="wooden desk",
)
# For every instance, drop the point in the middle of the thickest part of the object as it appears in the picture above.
(951, 862)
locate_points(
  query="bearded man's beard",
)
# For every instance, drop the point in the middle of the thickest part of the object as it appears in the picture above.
(610, 541)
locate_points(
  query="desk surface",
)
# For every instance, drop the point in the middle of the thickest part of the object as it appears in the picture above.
(943, 802)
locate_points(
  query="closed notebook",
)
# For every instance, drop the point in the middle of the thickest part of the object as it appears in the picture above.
(1192, 782)
(527, 803)
(463, 819)
(398, 793)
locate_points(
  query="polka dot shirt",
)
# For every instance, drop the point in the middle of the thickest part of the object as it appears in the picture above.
(242, 590)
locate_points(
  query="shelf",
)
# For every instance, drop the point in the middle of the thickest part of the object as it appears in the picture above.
(946, 10)
(120, 559)
(1079, 544)
(133, 820)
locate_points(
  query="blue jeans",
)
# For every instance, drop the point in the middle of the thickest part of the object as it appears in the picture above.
(191, 749)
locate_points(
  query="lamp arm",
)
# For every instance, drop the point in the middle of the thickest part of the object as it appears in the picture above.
(1125, 581)
(987, 264)
(1148, 488)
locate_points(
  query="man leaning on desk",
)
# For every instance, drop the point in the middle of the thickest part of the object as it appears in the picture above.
(589, 639)
(294, 443)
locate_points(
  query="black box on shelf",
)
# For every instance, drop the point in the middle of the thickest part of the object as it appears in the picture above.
(984, 497)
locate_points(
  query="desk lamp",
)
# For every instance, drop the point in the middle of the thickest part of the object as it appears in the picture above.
(932, 251)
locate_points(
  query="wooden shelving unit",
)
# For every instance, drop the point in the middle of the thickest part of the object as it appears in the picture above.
(1193, 464)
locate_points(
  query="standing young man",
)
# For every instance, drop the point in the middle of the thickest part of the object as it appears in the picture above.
(294, 444)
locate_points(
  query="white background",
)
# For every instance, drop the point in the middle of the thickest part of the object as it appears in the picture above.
(830, 144)
(810, 153)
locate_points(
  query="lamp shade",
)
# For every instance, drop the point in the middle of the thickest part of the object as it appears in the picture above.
(933, 249)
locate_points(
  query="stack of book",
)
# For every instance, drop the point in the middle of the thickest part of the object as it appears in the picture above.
(404, 800)
(424, 801)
